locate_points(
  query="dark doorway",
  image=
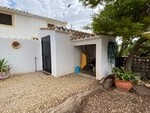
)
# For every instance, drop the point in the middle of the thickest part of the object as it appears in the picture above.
(90, 52)
(46, 54)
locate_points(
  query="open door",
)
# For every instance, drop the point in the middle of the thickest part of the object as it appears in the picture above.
(46, 54)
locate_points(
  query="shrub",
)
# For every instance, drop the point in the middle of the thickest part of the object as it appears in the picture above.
(125, 75)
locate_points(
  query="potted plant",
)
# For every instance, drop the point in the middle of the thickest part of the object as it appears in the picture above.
(124, 79)
(4, 69)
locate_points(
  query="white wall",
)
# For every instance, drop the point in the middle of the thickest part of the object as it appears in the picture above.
(106, 67)
(22, 59)
(64, 55)
(24, 28)
(67, 56)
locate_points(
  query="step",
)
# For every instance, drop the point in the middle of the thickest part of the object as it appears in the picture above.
(141, 90)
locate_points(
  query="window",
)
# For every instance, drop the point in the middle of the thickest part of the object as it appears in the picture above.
(16, 45)
(5, 19)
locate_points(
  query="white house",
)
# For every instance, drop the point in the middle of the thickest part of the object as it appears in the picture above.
(32, 43)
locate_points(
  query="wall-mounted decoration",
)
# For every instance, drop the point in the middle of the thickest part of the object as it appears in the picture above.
(35, 38)
(16, 45)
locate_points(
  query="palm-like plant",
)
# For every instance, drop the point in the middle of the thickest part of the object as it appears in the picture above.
(4, 67)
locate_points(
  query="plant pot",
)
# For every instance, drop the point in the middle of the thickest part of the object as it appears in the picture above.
(123, 85)
(4, 75)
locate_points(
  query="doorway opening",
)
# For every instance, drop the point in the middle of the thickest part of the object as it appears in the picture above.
(46, 54)
(88, 59)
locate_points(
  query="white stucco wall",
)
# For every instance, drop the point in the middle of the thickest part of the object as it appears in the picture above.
(106, 66)
(67, 56)
(24, 28)
(22, 60)
(64, 56)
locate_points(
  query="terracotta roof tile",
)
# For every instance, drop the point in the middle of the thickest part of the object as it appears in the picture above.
(75, 34)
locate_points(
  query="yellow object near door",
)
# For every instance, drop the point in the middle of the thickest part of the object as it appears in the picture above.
(83, 60)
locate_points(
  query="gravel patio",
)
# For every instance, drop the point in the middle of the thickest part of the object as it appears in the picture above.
(114, 101)
(37, 92)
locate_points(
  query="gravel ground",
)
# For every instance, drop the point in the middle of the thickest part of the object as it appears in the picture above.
(114, 101)
(39, 93)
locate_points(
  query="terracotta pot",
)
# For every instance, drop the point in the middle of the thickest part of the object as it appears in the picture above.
(123, 85)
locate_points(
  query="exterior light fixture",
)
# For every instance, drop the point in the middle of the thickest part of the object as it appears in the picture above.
(65, 10)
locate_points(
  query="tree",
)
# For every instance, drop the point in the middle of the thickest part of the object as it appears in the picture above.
(144, 50)
(128, 19)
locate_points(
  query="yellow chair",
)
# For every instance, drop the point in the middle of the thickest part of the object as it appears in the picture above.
(83, 60)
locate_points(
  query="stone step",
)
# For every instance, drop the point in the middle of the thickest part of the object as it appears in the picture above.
(141, 90)
(45, 72)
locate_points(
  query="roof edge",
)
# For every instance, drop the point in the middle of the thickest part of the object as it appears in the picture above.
(4, 8)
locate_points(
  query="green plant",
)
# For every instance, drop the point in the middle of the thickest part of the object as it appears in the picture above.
(124, 75)
(112, 52)
(4, 67)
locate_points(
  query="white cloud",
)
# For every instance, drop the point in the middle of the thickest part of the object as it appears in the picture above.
(5, 3)
(77, 15)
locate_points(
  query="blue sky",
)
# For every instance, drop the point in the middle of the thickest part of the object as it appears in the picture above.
(77, 14)
(13, 3)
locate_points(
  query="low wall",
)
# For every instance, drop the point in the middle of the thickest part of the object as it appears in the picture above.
(22, 60)
(140, 65)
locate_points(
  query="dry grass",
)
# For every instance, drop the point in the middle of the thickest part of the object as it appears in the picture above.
(36, 92)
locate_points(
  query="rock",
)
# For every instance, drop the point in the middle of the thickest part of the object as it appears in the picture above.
(108, 83)
(102, 80)
(147, 85)
(111, 76)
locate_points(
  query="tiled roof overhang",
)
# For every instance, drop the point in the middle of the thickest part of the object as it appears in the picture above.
(74, 34)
